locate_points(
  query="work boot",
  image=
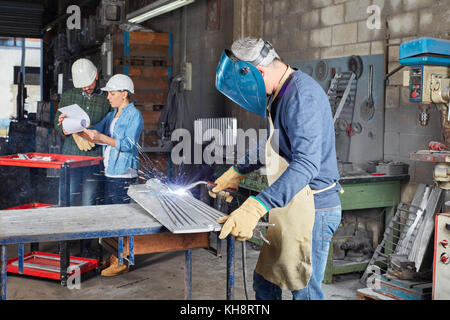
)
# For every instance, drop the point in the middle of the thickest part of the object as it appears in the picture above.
(114, 268)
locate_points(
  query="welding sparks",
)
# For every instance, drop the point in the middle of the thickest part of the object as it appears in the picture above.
(179, 192)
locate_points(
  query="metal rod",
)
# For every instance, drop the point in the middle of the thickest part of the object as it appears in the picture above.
(3, 273)
(131, 250)
(64, 262)
(230, 267)
(188, 275)
(120, 249)
(20, 258)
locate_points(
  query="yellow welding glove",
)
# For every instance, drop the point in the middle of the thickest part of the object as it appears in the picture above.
(229, 180)
(82, 143)
(242, 221)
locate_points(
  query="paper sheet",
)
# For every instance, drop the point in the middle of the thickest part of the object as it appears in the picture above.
(77, 119)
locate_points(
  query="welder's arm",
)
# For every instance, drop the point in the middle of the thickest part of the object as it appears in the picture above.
(303, 127)
(253, 160)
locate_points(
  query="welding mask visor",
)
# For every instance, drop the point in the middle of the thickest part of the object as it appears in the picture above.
(241, 82)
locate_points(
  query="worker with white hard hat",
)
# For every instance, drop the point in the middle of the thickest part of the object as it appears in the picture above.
(84, 181)
(119, 134)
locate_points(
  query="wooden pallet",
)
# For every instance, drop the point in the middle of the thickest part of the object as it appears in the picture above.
(369, 294)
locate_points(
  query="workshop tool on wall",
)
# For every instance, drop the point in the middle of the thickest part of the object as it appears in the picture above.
(367, 109)
(321, 70)
(342, 81)
(355, 65)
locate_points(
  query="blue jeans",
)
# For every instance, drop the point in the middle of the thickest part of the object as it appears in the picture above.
(325, 224)
(84, 186)
(116, 190)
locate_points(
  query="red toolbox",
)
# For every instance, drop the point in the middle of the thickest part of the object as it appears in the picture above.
(30, 206)
(43, 264)
(48, 160)
(46, 265)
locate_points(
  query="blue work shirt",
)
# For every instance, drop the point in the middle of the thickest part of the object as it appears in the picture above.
(302, 114)
(127, 130)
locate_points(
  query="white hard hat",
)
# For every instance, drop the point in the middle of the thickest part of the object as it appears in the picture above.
(83, 73)
(119, 82)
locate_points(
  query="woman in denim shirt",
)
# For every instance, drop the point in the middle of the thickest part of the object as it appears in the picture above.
(119, 132)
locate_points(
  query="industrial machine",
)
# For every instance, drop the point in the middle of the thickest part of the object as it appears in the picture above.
(441, 287)
(429, 84)
(428, 80)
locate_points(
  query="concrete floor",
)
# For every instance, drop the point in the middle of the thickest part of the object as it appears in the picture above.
(160, 276)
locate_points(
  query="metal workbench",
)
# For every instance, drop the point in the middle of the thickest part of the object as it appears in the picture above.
(88, 222)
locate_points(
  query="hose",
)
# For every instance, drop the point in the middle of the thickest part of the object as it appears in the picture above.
(244, 268)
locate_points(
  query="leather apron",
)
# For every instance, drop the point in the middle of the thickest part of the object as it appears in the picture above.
(286, 262)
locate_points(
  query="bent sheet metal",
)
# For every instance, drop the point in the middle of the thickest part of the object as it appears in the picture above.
(178, 212)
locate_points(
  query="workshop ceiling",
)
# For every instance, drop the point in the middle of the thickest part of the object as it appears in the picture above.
(22, 19)
(27, 18)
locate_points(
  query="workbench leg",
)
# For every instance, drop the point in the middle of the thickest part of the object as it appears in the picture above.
(230, 267)
(64, 262)
(20, 258)
(188, 275)
(64, 186)
(219, 246)
(3, 273)
(131, 251)
(120, 253)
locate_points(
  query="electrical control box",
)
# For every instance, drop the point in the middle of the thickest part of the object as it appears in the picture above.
(425, 80)
(441, 265)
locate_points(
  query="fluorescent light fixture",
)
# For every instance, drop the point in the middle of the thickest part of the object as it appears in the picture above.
(155, 9)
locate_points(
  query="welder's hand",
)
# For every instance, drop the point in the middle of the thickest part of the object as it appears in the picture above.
(242, 221)
(229, 180)
(82, 143)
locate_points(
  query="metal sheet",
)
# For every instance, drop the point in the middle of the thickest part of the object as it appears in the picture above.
(178, 213)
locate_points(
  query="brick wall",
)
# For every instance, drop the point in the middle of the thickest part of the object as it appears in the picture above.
(323, 29)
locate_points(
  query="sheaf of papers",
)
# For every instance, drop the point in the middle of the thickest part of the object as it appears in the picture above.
(77, 119)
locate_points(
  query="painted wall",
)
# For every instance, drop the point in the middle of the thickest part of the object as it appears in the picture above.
(304, 30)
(204, 46)
(322, 29)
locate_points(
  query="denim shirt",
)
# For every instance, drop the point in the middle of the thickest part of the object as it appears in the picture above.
(126, 133)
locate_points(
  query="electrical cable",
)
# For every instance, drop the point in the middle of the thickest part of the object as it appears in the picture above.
(244, 262)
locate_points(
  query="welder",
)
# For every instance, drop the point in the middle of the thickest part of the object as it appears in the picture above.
(302, 199)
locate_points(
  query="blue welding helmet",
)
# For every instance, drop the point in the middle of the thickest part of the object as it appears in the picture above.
(241, 82)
